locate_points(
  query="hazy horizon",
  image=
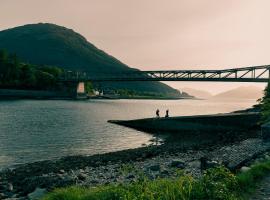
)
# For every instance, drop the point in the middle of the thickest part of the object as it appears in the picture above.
(154, 34)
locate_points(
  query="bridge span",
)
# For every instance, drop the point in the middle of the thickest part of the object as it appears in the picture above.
(246, 74)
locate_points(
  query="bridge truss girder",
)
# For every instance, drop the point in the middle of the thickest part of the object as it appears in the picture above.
(248, 74)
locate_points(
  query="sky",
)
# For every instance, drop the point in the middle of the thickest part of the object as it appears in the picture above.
(159, 34)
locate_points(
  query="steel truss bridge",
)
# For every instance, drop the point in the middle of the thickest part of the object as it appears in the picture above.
(246, 74)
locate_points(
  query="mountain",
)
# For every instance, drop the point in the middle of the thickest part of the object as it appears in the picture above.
(243, 92)
(50, 44)
(197, 93)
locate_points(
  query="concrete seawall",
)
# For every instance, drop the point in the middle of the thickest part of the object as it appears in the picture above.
(197, 126)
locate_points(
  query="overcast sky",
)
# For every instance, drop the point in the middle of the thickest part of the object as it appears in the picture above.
(160, 34)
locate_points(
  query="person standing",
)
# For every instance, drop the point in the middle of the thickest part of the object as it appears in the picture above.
(167, 113)
(157, 113)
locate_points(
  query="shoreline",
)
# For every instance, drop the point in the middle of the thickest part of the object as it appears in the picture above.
(3, 98)
(142, 98)
(154, 161)
(14, 94)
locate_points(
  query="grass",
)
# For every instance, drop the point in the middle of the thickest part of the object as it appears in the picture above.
(216, 184)
(247, 180)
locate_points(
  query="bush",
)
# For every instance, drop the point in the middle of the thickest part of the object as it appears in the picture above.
(217, 183)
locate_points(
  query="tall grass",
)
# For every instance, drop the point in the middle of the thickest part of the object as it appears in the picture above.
(247, 180)
(216, 184)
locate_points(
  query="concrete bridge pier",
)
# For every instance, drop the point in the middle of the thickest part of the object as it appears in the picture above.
(73, 89)
(80, 91)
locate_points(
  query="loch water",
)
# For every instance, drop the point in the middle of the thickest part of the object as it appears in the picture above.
(33, 130)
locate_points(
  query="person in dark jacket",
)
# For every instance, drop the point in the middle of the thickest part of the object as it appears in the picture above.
(167, 113)
(157, 113)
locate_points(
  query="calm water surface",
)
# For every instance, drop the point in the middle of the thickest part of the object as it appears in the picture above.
(32, 130)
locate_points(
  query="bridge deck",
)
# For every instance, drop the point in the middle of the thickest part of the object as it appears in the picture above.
(247, 74)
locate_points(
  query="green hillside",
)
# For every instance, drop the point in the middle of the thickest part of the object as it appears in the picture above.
(53, 45)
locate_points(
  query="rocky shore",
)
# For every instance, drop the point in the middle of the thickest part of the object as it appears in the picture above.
(31, 181)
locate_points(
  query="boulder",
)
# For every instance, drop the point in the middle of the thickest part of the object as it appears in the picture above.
(130, 176)
(37, 194)
(2, 195)
(154, 167)
(165, 172)
(244, 169)
(3, 186)
(195, 164)
(94, 181)
(178, 164)
(206, 163)
(212, 164)
(82, 176)
(10, 187)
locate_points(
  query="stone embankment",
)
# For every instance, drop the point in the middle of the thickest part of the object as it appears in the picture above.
(31, 181)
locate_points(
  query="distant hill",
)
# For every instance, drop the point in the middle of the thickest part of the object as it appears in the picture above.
(49, 44)
(197, 93)
(243, 92)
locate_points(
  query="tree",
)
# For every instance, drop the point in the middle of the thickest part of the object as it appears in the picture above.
(16, 75)
(88, 87)
(3, 56)
(55, 71)
(13, 69)
(3, 64)
(28, 78)
(265, 105)
(44, 80)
